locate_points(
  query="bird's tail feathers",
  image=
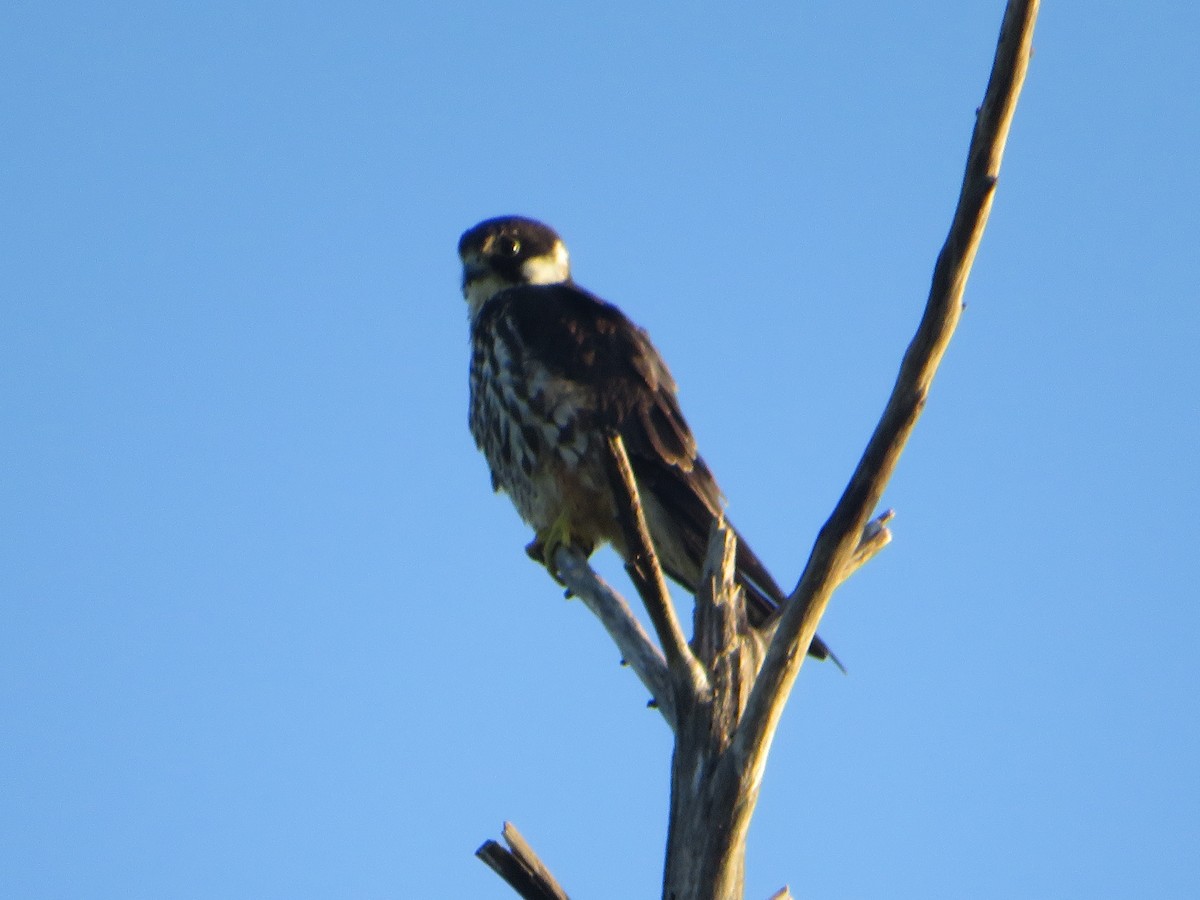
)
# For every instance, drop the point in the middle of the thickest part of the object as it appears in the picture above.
(764, 596)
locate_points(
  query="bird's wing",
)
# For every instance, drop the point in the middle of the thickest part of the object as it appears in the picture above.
(608, 365)
(619, 381)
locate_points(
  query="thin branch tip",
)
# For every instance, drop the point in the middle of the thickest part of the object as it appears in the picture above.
(846, 540)
(520, 867)
(877, 526)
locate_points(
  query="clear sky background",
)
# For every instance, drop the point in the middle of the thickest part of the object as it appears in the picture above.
(266, 633)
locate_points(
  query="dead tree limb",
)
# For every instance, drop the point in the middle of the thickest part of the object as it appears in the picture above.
(688, 679)
(520, 867)
(724, 694)
(610, 608)
(837, 539)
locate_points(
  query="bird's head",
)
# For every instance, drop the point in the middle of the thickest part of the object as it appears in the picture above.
(508, 252)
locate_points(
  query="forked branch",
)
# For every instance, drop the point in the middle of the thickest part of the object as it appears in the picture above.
(836, 542)
(724, 728)
(520, 867)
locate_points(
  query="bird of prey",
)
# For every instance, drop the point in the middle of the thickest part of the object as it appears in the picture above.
(554, 370)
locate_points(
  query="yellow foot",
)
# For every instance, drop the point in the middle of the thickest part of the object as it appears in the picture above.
(546, 544)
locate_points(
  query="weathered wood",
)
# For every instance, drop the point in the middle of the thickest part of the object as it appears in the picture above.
(520, 867)
(836, 542)
(688, 679)
(724, 693)
(637, 649)
(703, 857)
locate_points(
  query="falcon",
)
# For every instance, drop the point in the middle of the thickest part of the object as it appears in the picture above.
(554, 370)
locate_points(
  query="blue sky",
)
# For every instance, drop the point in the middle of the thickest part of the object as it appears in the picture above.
(265, 632)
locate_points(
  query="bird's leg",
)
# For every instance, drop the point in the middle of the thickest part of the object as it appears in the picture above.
(546, 543)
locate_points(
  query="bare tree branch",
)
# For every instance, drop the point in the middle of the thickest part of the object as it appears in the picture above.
(724, 694)
(875, 536)
(698, 863)
(643, 567)
(520, 867)
(618, 619)
(838, 537)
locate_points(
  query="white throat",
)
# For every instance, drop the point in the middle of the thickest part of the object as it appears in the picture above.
(480, 290)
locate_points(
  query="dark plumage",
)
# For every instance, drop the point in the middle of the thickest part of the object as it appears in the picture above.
(553, 369)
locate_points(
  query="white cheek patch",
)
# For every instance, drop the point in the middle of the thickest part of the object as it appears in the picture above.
(550, 268)
(553, 268)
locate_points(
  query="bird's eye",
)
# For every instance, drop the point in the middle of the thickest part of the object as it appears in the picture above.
(505, 245)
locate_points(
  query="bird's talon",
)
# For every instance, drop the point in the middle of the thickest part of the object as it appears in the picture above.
(548, 542)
